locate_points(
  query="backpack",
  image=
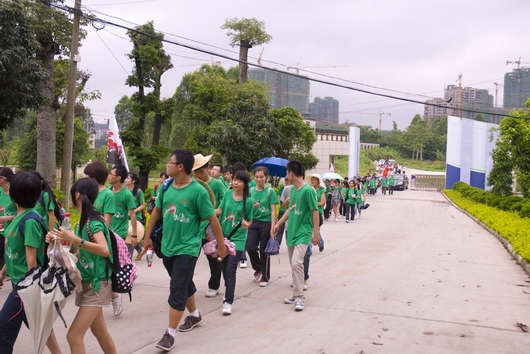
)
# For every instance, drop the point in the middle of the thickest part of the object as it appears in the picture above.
(123, 269)
(158, 230)
(138, 202)
(58, 210)
(21, 226)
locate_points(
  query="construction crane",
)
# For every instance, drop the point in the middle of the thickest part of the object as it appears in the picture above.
(381, 113)
(260, 54)
(518, 62)
(298, 67)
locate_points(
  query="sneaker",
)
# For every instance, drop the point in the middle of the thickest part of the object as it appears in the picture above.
(211, 293)
(243, 264)
(289, 301)
(347, 221)
(263, 283)
(298, 305)
(190, 322)
(336, 219)
(305, 285)
(227, 308)
(166, 343)
(257, 277)
(117, 305)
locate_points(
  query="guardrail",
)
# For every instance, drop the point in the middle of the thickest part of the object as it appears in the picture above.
(427, 182)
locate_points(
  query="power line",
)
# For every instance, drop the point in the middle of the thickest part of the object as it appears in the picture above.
(204, 51)
(105, 44)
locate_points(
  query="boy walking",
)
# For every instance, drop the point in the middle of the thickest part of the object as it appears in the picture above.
(182, 206)
(303, 218)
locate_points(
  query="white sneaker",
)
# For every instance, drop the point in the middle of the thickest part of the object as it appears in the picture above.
(347, 221)
(243, 264)
(298, 305)
(263, 283)
(211, 293)
(227, 308)
(336, 219)
(256, 277)
(305, 285)
(117, 305)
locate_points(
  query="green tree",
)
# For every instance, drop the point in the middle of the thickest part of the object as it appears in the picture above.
(247, 33)
(124, 112)
(512, 153)
(416, 137)
(294, 136)
(150, 62)
(248, 132)
(20, 69)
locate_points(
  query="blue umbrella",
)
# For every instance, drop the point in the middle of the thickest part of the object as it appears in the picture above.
(275, 165)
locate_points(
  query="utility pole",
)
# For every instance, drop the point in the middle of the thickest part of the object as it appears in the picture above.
(459, 96)
(70, 107)
(495, 118)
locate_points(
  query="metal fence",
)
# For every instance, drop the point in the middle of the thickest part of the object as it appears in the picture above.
(427, 182)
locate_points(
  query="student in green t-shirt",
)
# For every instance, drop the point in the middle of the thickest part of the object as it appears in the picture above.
(259, 233)
(391, 184)
(105, 202)
(384, 184)
(45, 206)
(235, 208)
(351, 201)
(22, 255)
(8, 209)
(92, 238)
(182, 206)
(303, 228)
(131, 182)
(125, 206)
(200, 171)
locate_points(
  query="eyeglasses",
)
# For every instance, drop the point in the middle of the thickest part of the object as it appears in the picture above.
(111, 174)
(174, 163)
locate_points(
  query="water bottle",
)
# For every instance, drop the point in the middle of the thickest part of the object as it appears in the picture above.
(149, 257)
(66, 225)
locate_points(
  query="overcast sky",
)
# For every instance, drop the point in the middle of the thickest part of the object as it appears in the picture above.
(408, 46)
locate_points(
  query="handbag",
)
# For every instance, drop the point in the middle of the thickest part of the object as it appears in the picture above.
(272, 247)
(210, 248)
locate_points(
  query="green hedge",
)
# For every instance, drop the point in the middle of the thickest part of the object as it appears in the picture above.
(509, 224)
(502, 202)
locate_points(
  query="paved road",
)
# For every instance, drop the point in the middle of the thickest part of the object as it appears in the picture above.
(413, 275)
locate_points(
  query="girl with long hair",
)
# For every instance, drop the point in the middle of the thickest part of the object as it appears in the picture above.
(45, 206)
(92, 238)
(259, 233)
(132, 184)
(235, 208)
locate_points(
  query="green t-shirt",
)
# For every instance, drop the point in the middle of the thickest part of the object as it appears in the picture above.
(15, 245)
(392, 181)
(302, 203)
(92, 266)
(182, 210)
(139, 199)
(232, 214)
(263, 200)
(352, 195)
(320, 192)
(42, 208)
(384, 182)
(251, 184)
(120, 220)
(218, 190)
(372, 183)
(7, 207)
(359, 193)
(105, 202)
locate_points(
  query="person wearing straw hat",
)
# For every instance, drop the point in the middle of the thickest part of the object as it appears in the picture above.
(200, 172)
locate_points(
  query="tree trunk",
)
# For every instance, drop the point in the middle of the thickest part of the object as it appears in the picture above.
(47, 120)
(141, 93)
(157, 127)
(243, 58)
(143, 176)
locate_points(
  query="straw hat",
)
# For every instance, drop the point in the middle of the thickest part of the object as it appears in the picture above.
(200, 161)
(139, 230)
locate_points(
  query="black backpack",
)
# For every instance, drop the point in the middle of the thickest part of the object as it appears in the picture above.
(58, 208)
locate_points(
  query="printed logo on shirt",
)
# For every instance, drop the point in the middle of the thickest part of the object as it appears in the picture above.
(119, 215)
(180, 217)
(229, 217)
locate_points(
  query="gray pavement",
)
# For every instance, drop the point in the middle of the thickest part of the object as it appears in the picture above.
(413, 275)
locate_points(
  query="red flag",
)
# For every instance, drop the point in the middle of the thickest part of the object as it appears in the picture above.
(115, 151)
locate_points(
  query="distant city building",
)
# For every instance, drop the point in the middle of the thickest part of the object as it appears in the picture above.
(325, 110)
(516, 88)
(470, 99)
(284, 90)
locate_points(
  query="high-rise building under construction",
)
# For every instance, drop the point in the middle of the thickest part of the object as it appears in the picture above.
(516, 88)
(284, 90)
